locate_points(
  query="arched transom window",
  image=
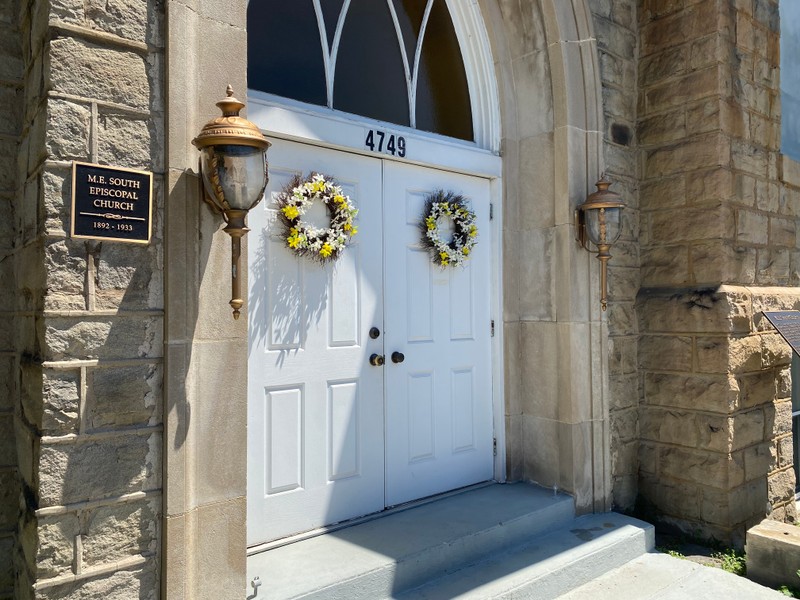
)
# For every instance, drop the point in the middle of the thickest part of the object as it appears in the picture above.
(392, 60)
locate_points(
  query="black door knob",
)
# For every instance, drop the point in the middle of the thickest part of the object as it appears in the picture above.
(377, 360)
(374, 333)
(398, 357)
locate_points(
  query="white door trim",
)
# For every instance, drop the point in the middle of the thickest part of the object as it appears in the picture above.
(295, 121)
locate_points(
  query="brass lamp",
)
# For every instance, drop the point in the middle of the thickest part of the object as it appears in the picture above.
(233, 163)
(598, 220)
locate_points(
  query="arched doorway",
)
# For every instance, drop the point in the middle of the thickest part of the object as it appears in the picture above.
(379, 97)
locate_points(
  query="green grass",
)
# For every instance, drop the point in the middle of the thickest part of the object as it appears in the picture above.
(732, 561)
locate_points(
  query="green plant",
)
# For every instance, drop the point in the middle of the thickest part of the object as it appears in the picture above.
(732, 561)
(670, 551)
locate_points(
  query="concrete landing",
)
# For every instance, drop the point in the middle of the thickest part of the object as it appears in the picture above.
(657, 576)
(454, 547)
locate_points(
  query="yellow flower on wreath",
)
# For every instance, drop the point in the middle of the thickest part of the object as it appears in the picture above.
(430, 223)
(465, 251)
(326, 250)
(290, 211)
(294, 240)
(318, 186)
(338, 199)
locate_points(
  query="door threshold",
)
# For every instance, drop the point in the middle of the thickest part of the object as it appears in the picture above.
(299, 537)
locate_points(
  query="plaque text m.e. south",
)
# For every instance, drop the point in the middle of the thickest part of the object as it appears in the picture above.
(111, 203)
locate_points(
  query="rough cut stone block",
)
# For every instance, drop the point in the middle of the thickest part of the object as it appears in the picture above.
(752, 227)
(103, 338)
(9, 498)
(60, 395)
(90, 470)
(773, 553)
(89, 71)
(757, 389)
(55, 185)
(709, 185)
(698, 392)
(758, 461)
(56, 548)
(119, 531)
(128, 142)
(726, 309)
(705, 468)
(65, 262)
(665, 353)
(780, 486)
(68, 126)
(126, 277)
(749, 501)
(710, 150)
(720, 261)
(669, 427)
(748, 429)
(123, 396)
(7, 563)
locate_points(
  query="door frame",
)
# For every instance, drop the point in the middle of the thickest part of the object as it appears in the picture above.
(318, 126)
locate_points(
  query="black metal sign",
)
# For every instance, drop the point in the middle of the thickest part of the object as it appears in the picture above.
(111, 203)
(787, 322)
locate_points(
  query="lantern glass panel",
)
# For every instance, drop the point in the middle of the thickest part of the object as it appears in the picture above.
(241, 173)
(595, 218)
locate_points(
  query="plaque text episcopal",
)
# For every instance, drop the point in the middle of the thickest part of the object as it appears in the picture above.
(787, 322)
(111, 203)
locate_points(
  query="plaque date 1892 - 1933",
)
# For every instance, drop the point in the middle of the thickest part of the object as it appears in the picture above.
(111, 203)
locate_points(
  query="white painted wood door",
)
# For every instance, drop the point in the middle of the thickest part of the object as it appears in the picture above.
(316, 419)
(330, 436)
(439, 399)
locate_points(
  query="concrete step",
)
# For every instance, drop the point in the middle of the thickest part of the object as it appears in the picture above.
(384, 557)
(550, 565)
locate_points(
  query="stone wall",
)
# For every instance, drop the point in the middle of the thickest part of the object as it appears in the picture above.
(715, 231)
(11, 76)
(90, 314)
(616, 25)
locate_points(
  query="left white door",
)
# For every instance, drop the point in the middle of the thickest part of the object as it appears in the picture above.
(316, 411)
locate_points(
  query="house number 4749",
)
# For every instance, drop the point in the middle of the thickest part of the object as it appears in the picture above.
(388, 143)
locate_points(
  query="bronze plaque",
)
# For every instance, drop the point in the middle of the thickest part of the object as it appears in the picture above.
(787, 322)
(111, 203)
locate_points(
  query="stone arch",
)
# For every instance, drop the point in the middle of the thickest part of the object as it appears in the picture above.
(551, 104)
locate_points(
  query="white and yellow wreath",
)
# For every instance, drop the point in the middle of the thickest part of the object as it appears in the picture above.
(319, 243)
(456, 251)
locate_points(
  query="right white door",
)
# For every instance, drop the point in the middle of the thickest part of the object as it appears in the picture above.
(439, 433)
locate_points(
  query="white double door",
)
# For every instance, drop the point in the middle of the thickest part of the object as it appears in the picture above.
(331, 436)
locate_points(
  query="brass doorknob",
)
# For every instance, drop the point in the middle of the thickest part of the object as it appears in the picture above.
(398, 357)
(377, 360)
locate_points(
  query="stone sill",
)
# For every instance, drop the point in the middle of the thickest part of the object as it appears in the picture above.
(790, 171)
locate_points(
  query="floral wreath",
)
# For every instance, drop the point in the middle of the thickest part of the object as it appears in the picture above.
(323, 244)
(455, 252)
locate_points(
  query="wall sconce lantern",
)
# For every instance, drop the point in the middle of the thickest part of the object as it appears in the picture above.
(598, 220)
(233, 164)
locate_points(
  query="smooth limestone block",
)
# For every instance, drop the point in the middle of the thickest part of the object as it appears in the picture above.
(773, 553)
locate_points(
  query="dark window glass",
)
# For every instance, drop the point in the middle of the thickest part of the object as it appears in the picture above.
(790, 80)
(369, 79)
(330, 12)
(284, 53)
(409, 15)
(442, 93)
